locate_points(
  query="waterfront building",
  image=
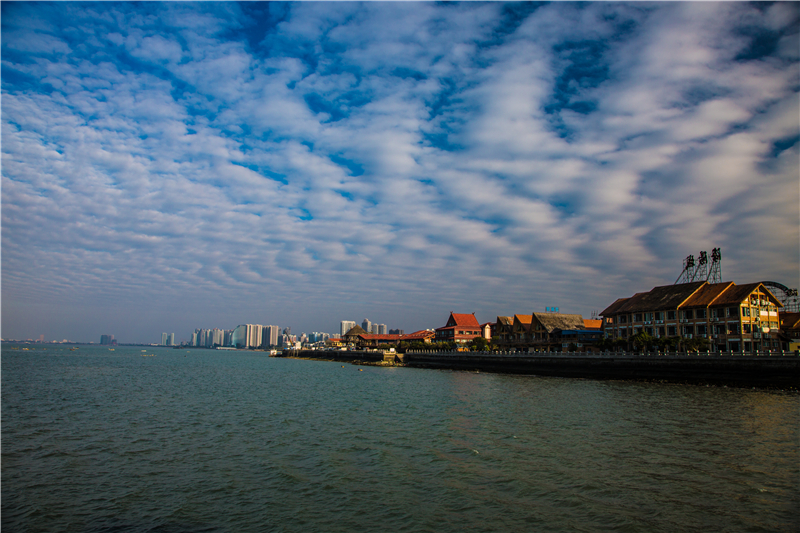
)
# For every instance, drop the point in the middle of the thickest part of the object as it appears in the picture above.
(345, 326)
(424, 335)
(729, 317)
(163, 339)
(486, 330)
(461, 328)
(790, 331)
(547, 331)
(502, 330)
(351, 336)
(373, 340)
(520, 328)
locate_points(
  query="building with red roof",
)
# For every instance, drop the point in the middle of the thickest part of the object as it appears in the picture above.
(461, 328)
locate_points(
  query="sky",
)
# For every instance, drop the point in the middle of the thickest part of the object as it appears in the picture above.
(172, 166)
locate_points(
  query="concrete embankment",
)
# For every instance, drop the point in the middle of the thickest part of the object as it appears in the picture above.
(781, 371)
(774, 371)
(345, 356)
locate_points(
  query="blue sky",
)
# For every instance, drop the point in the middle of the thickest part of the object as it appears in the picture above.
(168, 166)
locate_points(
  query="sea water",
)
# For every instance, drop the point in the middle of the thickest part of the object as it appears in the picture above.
(179, 440)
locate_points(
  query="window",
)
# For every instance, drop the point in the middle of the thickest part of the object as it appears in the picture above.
(661, 331)
(670, 315)
(719, 329)
(732, 311)
(671, 331)
(648, 330)
(637, 317)
(688, 314)
(746, 328)
(701, 329)
(688, 330)
(701, 313)
(623, 319)
(745, 311)
(659, 315)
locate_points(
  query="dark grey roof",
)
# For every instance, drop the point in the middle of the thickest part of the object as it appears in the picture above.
(657, 299)
(553, 321)
(357, 330)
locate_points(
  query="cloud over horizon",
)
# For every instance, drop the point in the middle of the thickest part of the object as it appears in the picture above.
(167, 166)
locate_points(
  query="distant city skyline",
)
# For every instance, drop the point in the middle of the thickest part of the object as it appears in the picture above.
(168, 165)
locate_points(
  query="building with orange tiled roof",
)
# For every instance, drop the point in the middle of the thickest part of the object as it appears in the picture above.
(520, 328)
(730, 317)
(461, 328)
(591, 323)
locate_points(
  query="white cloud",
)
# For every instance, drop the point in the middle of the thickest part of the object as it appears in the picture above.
(438, 168)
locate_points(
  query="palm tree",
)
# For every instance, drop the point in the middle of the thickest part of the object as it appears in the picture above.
(643, 340)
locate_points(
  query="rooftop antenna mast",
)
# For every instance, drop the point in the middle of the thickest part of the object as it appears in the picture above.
(699, 270)
(687, 275)
(715, 273)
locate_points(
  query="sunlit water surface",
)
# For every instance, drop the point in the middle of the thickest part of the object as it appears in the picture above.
(98, 440)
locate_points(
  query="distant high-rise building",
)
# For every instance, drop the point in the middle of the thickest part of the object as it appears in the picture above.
(345, 326)
(269, 336)
(171, 339)
(217, 337)
(381, 329)
(107, 339)
(227, 339)
(163, 339)
(366, 325)
(247, 336)
(396, 332)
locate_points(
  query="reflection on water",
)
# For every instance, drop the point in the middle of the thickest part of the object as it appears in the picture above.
(200, 440)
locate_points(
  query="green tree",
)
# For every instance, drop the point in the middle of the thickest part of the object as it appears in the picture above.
(643, 340)
(696, 344)
(479, 344)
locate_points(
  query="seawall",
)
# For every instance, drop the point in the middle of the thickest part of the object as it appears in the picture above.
(345, 356)
(780, 370)
(773, 371)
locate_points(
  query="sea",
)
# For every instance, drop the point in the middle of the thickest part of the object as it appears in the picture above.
(193, 440)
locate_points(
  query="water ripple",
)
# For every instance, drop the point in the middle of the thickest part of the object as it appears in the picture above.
(102, 441)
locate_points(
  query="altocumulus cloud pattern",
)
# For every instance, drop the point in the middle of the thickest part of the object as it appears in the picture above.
(167, 166)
